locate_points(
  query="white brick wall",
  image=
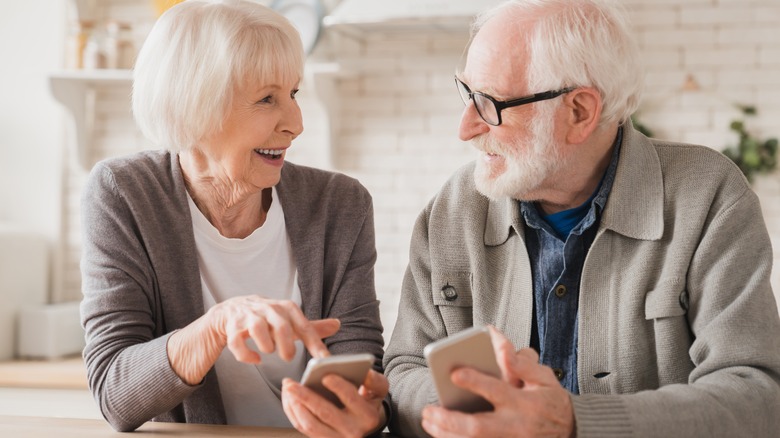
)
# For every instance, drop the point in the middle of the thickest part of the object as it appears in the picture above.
(399, 112)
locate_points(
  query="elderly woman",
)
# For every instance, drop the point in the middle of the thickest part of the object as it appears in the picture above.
(212, 269)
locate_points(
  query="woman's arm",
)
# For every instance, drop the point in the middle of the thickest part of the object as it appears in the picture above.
(127, 365)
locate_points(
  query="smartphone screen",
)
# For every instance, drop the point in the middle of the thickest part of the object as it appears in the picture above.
(352, 367)
(470, 348)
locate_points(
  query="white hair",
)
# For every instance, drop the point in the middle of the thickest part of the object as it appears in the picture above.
(197, 55)
(581, 43)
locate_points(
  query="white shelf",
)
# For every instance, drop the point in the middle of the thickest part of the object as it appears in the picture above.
(98, 76)
(359, 18)
(360, 29)
(76, 91)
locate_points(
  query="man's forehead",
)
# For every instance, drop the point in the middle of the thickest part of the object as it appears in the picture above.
(491, 67)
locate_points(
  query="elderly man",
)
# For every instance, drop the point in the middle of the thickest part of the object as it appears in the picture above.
(637, 269)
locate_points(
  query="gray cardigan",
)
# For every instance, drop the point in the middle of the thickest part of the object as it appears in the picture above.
(141, 279)
(679, 332)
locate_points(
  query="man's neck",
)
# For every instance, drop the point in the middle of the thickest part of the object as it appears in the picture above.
(576, 180)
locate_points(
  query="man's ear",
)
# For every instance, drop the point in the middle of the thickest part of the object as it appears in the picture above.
(584, 113)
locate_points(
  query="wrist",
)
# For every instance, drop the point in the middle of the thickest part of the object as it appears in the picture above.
(193, 350)
(384, 418)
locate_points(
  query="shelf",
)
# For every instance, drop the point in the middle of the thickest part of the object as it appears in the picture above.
(359, 18)
(76, 91)
(94, 76)
(360, 29)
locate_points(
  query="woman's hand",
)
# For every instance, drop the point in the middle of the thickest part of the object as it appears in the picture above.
(314, 416)
(273, 325)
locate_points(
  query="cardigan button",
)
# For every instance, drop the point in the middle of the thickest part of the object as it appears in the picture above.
(559, 373)
(684, 303)
(560, 291)
(449, 293)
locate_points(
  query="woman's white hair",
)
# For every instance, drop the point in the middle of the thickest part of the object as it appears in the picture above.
(197, 55)
(582, 43)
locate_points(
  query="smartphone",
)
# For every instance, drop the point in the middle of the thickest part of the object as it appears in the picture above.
(469, 348)
(352, 367)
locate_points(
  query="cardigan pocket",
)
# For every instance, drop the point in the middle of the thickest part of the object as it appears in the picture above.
(667, 300)
(451, 293)
(669, 335)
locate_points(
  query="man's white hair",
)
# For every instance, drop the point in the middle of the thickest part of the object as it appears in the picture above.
(581, 43)
(197, 55)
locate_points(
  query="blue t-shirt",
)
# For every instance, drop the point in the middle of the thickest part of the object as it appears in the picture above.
(565, 221)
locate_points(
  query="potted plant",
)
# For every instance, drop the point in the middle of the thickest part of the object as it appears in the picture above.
(751, 154)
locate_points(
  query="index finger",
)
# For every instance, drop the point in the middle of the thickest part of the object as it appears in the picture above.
(505, 352)
(490, 388)
(306, 331)
(526, 365)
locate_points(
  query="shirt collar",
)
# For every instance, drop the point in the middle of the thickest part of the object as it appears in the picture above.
(598, 200)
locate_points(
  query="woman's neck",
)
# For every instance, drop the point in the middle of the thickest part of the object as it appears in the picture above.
(234, 209)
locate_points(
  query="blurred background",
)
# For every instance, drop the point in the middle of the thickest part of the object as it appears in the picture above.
(379, 104)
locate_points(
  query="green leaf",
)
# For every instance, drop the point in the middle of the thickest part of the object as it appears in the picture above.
(751, 158)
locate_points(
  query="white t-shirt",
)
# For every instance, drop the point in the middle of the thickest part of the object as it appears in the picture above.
(262, 264)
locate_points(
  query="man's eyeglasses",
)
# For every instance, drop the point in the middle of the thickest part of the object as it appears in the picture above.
(490, 109)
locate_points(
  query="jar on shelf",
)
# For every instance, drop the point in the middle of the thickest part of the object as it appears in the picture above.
(118, 45)
(79, 33)
(94, 58)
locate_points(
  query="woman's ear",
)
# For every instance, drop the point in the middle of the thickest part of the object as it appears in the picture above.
(584, 106)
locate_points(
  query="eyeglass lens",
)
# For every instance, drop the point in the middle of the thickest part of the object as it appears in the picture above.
(485, 107)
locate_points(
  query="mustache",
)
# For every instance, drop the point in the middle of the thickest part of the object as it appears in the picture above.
(490, 145)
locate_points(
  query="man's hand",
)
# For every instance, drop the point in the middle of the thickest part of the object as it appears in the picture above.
(528, 401)
(314, 416)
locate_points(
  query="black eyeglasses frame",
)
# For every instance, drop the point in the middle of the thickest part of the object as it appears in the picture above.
(503, 104)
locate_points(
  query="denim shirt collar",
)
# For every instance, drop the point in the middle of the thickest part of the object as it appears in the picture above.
(598, 201)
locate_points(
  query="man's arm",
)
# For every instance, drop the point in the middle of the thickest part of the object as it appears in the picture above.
(411, 386)
(734, 388)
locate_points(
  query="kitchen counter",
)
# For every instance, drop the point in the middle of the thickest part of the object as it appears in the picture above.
(67, 373)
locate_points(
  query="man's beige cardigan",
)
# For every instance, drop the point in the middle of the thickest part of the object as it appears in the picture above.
(679, 332)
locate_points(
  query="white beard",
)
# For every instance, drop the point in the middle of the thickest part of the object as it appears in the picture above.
(526, 166)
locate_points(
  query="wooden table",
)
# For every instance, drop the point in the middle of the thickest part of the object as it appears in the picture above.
(39, 427)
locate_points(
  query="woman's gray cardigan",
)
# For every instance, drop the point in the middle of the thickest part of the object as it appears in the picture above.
(141, 281)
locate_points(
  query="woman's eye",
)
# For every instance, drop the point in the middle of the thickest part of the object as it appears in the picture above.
(266, 99)
(293, 93)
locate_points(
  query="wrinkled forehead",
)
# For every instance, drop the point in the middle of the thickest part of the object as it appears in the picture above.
(497, 58)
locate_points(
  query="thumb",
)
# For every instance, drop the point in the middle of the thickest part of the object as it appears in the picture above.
(326, 327)
(375, 385)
